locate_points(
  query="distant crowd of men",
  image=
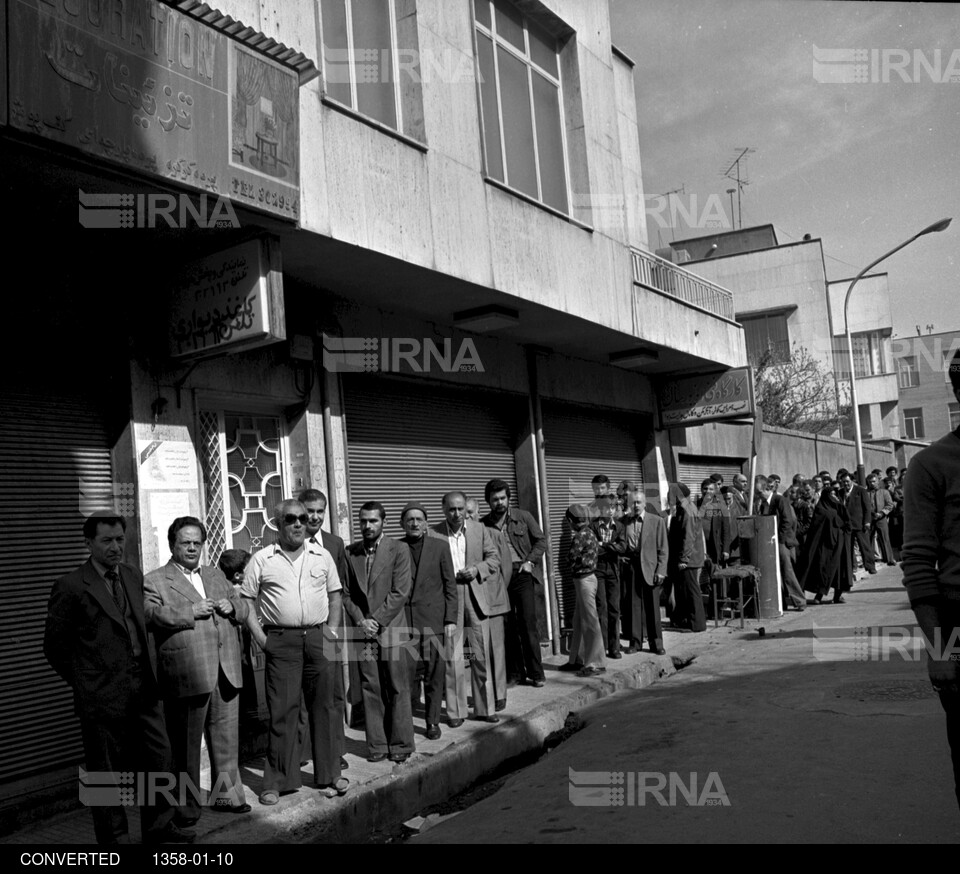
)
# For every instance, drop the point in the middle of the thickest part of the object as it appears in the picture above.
(155, 663)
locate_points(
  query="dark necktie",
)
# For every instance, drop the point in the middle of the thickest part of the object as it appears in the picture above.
(117, 588)
(370, 559)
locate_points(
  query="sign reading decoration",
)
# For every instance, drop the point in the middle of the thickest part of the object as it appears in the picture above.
(146, 86)
(709, 398)
(229, 301)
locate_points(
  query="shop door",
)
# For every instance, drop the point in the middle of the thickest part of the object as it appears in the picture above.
(55, 470)
(694, 469)
(580, 443)
(415, 443)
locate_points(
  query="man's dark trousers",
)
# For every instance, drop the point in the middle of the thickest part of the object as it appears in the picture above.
(644, 603)
(136, 742)
(301, 659)
(523, 640)
(430, 659)
(608, 582)
(385, 673)
(862, 539)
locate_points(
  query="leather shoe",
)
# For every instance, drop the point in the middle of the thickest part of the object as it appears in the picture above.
(399, 758)
(376, 757)
(454, 723)
(231, 808)
(490, 717)
(615, 655)
(501, 704)
(632, 649)
(570, 666)
(538, 684)
(659, 650)
(344, 764)
(433, 731)
(269, 798)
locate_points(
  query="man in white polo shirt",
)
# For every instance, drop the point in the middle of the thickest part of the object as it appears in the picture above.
(297, 592)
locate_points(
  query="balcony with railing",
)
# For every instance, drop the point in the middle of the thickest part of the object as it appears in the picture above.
(662, 276)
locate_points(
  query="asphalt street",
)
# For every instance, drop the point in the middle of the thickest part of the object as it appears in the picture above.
(825, 729)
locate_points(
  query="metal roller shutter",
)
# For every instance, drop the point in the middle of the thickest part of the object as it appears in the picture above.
(694, 469)
(412, 443)
(54, 464)
(580, 443)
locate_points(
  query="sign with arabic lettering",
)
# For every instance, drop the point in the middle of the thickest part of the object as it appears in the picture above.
(146, 86)
(228, 302)
(712, 397)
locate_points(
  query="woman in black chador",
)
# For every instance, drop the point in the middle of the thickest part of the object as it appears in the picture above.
(824, 561)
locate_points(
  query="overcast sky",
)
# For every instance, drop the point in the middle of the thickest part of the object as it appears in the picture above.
(863, 165)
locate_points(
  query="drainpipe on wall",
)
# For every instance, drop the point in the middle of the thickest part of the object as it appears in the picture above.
(532, 376)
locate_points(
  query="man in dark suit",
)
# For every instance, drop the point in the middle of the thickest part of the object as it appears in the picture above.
(687, 554)
(431, 610)
(315, 503)
(644, 543)
(770, 504)
(860, 514)
(377, 591)
(194, 613)
(96, 640)
(476, 565)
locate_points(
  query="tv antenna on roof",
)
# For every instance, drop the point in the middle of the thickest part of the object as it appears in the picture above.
(738, 175)
(666, 196)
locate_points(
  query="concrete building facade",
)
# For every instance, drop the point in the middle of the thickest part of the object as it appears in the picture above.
(928, 407)
(434, 213)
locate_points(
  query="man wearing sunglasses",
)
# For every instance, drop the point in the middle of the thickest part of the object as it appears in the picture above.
(297, 592)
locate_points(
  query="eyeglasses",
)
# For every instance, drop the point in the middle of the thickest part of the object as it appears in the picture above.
(291, 519)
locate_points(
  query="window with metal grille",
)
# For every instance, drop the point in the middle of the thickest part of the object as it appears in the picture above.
(913, 424)
(521, 103)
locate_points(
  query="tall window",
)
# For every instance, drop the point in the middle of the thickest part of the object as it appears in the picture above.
(520, 103)
(371, 60)
(913, 424)
(908, 375)
(954, 412)
(766, 333)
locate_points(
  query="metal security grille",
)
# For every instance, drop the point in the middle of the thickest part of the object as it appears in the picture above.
(54, 470)
(694, 469)
(215, 518)
(243, 474)
(579, 444)
(410, 443)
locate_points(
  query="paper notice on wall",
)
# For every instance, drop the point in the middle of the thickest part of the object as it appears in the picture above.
(167, 464)
(164, 508)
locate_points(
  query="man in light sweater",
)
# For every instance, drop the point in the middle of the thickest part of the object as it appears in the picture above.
(931, 564)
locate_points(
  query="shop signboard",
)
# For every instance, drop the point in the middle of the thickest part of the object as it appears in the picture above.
(149, 87)
(711, 397)
(227, 302)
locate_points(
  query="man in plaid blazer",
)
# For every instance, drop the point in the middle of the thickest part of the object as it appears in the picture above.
(193, 613)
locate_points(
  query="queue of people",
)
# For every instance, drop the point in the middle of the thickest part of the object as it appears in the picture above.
(158, 663)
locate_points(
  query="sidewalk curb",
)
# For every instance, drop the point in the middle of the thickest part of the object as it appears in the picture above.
(429, 778)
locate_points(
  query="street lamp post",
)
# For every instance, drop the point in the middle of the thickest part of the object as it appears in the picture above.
(941, 225)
